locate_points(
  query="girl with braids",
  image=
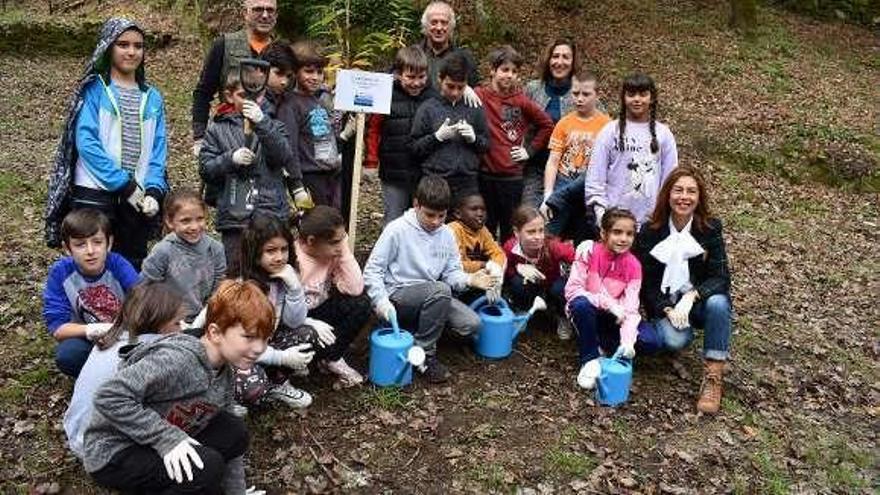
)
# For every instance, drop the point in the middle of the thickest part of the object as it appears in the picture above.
(631, 156)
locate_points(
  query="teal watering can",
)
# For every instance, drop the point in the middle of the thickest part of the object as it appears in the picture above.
(393, 355)
(615, 378)
(499, 326)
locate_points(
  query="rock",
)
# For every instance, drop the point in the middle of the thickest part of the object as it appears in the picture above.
(628, 482)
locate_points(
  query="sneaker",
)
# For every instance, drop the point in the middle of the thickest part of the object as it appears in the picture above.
(435, 371)
(563, 329)
(348, 376)
(588, 374)
(238, 410)
(290, 395)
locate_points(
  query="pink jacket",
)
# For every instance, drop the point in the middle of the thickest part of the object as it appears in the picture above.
(606, 279)
(318, 278)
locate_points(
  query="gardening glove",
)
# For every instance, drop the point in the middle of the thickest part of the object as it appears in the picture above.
(179, 461)
(470, 97)
(253, 491)
(618, 312)
(136, 198)
(628, 351)
(519, 154)
(545, 210)
(494, 269)
(302, 199)
(149, 206)
(197, 147)
(350, 128)
(446, 131)
(599, 211)
(297, 356)
(324, 330)
(243, 157)
(288, 276)
(585, 248)
(95, 331)
(466, 131)
(252, 111)
(530, 273)
(679, 316)
(386, 311)
(481, 280)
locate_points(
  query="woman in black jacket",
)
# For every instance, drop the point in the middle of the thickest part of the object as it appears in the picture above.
(686, 280)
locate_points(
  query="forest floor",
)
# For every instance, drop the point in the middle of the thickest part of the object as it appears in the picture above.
(784, 123)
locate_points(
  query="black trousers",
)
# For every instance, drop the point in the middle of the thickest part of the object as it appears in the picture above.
(139, 468)
(347, 315)
(502, 196)
(131, 229)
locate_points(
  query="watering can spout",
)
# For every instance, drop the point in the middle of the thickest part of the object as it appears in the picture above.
(520, 321)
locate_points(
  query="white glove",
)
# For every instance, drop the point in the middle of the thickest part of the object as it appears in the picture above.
(288, 276)
(585, 247)
(519, 154)
(618, 312)
(95, 331)
(302, 199)
(252, 490)
(149, 206)
(386, 311)
(298, 356)
(628, 351)
(349, 129)
(492, 295)
(530, 273)
(599, 210)
(679, 316)
(466, 131)
(470, 97)
(481, 280)
(252, 111)
(180, 459)
(324, 331)
(545, 210)
(197, 147)
(136, 198)
(243, 157)
(494, 269)
(446, 131)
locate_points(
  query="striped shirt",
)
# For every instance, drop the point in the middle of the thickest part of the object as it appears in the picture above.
(129, 108)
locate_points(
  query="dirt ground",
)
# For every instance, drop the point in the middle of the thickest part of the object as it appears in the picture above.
(786, 125)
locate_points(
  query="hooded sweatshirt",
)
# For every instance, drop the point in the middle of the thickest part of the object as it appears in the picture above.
(630, 178)
(90, 148)
(194, 269)
(164, 392)
(407, 254)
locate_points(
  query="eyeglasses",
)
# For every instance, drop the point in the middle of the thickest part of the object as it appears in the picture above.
(260, 11)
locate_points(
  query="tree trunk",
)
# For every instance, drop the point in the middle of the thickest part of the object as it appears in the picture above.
(743, 14)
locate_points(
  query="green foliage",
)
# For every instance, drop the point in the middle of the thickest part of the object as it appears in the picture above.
(860, 11)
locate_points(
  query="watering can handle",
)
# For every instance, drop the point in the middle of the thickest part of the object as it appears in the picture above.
(484, 301)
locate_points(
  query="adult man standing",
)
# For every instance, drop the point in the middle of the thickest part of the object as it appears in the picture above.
(225, 54)
(438, 26)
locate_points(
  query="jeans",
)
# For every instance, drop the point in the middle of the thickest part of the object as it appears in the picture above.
(396, 199)
(713, 315)
(502, 196)
(428, 308)
(140, 469)
(597, 328)
(231, 239)
(71, 355)
(533, 179)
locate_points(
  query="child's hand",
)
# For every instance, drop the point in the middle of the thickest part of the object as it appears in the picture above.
(467, 131)
(349, 129)
(470, 97)
(529, 273)
(481, 280)
(519, 154)
(287, 275)
(618, 312)
(324, 330)
(180, 460)
(243, 157)
(446, 131)
(545, 210)
(385, 310)
(584, 249)
(95, 331)
(149, 206)
(628, 351)
(252, 111)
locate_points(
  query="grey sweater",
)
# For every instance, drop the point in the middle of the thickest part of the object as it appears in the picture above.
(164, 392)
(194, 269)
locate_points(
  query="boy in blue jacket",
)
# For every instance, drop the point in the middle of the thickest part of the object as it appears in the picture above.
(112, 154)
(413, 269)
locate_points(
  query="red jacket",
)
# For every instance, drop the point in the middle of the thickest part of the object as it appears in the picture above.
(509, 117)
(554, 253)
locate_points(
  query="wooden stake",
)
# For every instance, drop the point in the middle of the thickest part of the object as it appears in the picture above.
(356, 180)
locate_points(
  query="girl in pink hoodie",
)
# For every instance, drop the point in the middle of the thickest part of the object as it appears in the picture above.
(602, 294)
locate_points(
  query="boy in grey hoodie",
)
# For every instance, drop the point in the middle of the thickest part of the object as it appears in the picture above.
(162, 424)
(413, 269)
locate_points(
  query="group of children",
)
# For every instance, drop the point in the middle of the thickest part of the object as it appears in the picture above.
(200, 329)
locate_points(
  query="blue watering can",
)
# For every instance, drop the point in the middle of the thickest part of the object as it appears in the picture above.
(612, 387)
(499, 326)
(392, 356)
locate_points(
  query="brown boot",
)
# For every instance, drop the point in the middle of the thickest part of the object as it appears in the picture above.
(710, 391)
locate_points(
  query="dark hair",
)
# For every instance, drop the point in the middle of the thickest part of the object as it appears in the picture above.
(307, 53)
(614, 214)
(410, 57)
(104, 64)
(636, 83)
(702, 214)
(583, 74)
(544, 63)
(261, 229)
(241, 302)
(85, 222)
(455, 67)
(279, 55)
(322, 222)
(178, 197)
(433, 192)
(523, 215)
(504, 54)
(148, 307)
(232, 82)
(464, 198)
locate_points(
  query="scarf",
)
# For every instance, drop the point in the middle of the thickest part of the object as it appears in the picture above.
(674, 252)
(556, 91)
